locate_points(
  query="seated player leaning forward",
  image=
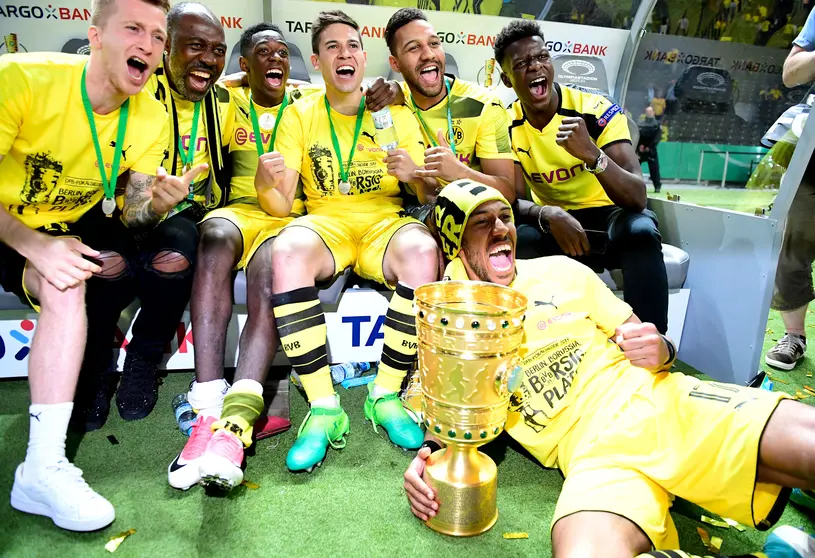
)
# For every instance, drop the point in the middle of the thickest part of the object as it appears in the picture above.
(352, 195)
(578, 172)
(627, 435)
(58, 249)
(238, 236)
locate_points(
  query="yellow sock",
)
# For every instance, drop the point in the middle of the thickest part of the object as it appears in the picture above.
(243, 405)
(399, 350)
(301, 325)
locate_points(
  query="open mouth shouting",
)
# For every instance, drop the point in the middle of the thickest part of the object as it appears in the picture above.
(137, 69)
(429, 74)
(539, 87)
(274, 78)
(500, 257)
(345, 72)
(200, 79)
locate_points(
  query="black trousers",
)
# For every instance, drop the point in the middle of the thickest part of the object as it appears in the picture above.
(163, 296)
(634, 246)
(653, 167)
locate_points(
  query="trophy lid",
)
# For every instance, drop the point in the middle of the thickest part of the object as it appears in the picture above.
(470, 298)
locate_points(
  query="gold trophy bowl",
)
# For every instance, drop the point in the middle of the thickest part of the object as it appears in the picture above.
(469, 334)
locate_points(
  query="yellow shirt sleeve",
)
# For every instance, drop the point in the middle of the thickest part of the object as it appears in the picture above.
(612, 124)
(153, 158)
(15, 100)
(493, 141)
(291, 140)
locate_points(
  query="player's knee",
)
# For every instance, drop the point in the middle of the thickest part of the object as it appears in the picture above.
(168, 262)
(113, 265)
(67, 302)
(642, 233)
(294, 249)
(422, 254)
(217, 237)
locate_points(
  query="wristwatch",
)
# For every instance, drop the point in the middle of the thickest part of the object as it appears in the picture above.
(599, 165)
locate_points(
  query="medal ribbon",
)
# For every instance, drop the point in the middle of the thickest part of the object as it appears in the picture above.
(432, 137)
(345, 169)
(256, 126)
(108, 185)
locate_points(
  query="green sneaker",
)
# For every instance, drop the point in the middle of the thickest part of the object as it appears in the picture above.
(388, 412)
(321, 428)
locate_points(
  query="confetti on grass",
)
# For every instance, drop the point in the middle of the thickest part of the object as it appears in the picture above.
(810, 390)
(250, 485)
(112, 439)
(114, 543)
(735, 524)
(516, 535)
(712, 544)
(715, 522)
(773, 378)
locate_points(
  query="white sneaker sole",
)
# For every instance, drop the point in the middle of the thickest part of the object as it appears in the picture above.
(781, 365)
(219, 471)
(23, 503)
(184, 477)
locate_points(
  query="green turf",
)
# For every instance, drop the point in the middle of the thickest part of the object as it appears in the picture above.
(352, 506)
(734, 199)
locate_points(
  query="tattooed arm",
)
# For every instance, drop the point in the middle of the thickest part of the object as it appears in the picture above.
(149, 198)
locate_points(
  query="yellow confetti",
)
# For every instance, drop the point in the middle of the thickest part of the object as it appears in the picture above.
(715, 545)
(114, 543)
(250, 485)
(809, 389)
(516, 535)
(809, 374)
(773, 378)
(714, 522)
(704, 536)
(769, 332)
(735, 524)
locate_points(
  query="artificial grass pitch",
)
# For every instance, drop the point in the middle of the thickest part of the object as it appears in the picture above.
(354, 505)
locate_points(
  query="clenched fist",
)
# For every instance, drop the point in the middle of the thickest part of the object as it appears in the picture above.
(270, 172)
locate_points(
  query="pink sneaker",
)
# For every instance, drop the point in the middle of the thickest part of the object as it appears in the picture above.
(221, 463)
(183, 471)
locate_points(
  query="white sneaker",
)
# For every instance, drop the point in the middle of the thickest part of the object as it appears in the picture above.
(183, 471)
(58, 491)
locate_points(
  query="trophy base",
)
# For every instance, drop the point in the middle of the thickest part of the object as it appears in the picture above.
(465, 481)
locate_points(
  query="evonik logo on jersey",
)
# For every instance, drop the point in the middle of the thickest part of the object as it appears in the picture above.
(50, 11)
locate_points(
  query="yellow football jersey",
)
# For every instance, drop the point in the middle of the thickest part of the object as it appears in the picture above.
(566, 351)
(304, 140)
(50, 173)
(181, 112)
(480, 123)
(238, 134)
(552, 175)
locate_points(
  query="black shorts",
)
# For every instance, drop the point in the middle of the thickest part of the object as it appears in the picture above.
(94, 228)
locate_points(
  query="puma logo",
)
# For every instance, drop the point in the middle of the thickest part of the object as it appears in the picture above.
(124, 150)
(244, 111)
(367, 135)
(37, 416)
(550, 303)
(522, 150)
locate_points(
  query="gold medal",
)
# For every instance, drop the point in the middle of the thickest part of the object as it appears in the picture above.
(344, 187)
(108, 206)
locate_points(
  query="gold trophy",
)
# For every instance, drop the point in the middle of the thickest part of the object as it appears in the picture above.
(469, 334)
(11, 43)
(489, 68)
